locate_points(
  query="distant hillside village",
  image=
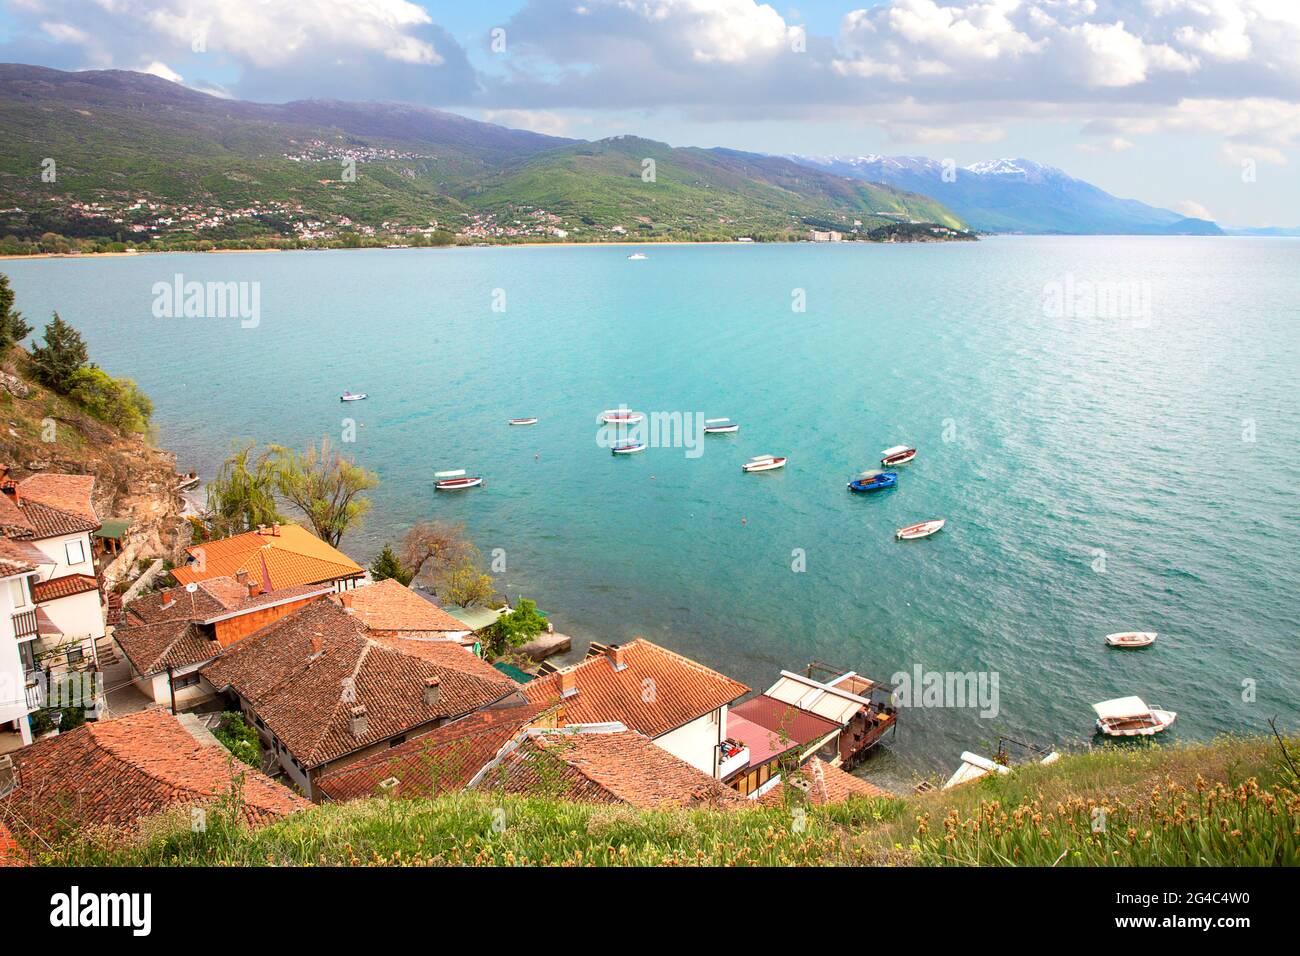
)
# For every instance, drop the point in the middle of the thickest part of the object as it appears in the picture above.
(271, 662)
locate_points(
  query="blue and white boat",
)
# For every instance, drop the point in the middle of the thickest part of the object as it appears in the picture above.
(874, 481)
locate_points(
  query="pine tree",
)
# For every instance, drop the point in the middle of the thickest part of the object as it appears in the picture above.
(63, 353)
(388, 565)
(13, 329)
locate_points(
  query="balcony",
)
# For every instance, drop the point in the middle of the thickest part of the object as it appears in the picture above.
(25, 625)
(733, 757)
(35, 681)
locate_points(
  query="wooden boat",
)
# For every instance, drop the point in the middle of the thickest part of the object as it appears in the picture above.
(1131, 639)
(763, 463)
(1131, 717)
(873, 481)
(898, 455)
(455, 480)
(523, 421)
(922, 529)
(620, 416)
(629, 448)
(720, 426)
(186, 482)
(351, 396)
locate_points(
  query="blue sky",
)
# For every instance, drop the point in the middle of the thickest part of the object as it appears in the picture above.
(1189, 104)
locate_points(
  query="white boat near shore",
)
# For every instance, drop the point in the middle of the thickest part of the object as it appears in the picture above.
(1131, 717)
(720, 426)
(763, 463)
(898, 455)
(620, 416)
(922, 529)
(1131, 639)
(455, 480)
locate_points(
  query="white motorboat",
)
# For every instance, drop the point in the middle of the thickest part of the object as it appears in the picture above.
(351, 396)
(720, 426)
(637, 256)
(763, 463)
(1131, 639)
(455, 480)
(898, 455)
(1131, 717)
(922, 529)
(620, 416)
(523, 421)
(629, 448)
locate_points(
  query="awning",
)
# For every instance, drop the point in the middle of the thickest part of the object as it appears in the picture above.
(114, 528)
(1122, 707)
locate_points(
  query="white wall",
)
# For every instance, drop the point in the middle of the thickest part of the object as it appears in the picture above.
(697, 742)
(76, 616)
(159, 688)
(55, 550)
(13, 684)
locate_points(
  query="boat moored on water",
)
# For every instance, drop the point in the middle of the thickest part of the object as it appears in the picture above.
(1131, 639)
(620, 416)
(1131, 717)
(922, 529)
(455, 480)
(898, 455)
(763, 463)
(523, 421)
(720, 426)
(636, 256)
(629, 448)
(873, 481)
(351, 396)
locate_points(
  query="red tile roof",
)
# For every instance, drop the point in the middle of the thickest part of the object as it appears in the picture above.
(116, 772)
(11, 854)
(604, 765)
(441, 761)
(388, 605)
(304, 674)
(821, 783)
(292, 555)
(68, 493)
(657, 691)
(19, 558)
(47, 505)
(213, 599)
(152, 648)
(65, 586)
(783, 722)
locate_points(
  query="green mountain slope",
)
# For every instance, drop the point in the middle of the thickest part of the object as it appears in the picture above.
(139, 159)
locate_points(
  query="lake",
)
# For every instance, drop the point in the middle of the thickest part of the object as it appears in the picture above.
(1109, 426)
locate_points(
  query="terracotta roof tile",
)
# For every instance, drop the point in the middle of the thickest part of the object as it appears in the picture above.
(11, 854)
(68, 493)
(152, 648)
(657, 691)
(785, 722)
(822, 783)
(601, 765)
(293, 557)
(304, 673)
(441, 761)
(19, 558)
(65, 586)
(212, 599)
(388, 605)
(116, 772)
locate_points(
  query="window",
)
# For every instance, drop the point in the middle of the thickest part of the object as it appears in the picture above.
(186, 680)
(18, 592)
(76, 551)
(76, 655)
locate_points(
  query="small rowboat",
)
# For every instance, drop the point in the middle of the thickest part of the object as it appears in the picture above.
(763, 463)
(455, 480)
(1131, 639)
(898, 455)
(720, 426)
(629, 448)
(351, 396)
(620, 416)
(1131, 717)
(523, 421)
(920, 530)
(874, 481)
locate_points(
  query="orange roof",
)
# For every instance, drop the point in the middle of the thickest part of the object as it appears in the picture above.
(655, 692)
(390, 606)
(293, 557)
(62, 587)
(11, 854)
(821, 783)
(70, 493)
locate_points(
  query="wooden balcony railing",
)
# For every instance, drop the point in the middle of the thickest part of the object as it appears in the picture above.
(24, 625)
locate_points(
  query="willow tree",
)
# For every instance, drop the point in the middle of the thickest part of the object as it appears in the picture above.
(242, 496)
(326, 487)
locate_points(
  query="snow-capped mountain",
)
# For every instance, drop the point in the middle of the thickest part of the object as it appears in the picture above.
(1015, 195)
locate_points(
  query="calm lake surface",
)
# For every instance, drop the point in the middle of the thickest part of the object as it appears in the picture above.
(1136, 470)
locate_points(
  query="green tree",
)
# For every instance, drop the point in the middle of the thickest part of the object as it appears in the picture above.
(58, 359)
(466, 585)
(388, 565)
(242, 496)
(13, 329)
(117, 401)
(326, 487)
(517, 628)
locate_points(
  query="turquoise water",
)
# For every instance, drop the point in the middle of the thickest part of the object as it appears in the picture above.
(1042, 439)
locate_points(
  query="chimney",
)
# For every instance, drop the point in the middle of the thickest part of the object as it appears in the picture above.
(275, 529)
(261, 529)
(252, 588)
(616, 657)
(345, 598)
(317, 644)
(241, 576)
(432, 691)
(568, 684)
(357, 723)
(168, 598)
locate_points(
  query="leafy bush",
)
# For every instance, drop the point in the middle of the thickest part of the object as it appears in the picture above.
(115, 401)
(239, 738)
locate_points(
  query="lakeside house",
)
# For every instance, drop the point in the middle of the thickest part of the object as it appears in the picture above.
(278, 556)
(169, 635)
(52, 609)
(389, 608)
(324, 691)
(679, 704)
(120, 771)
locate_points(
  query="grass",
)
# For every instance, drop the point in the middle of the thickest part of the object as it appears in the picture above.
(1232, 802)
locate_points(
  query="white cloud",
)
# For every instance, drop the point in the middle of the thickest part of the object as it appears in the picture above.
(539, 121)
(1115, 144)
(159, 68)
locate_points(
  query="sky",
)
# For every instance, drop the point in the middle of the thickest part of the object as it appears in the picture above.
(1193, 105)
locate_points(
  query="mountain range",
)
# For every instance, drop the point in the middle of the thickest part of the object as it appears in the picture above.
(136, 157)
